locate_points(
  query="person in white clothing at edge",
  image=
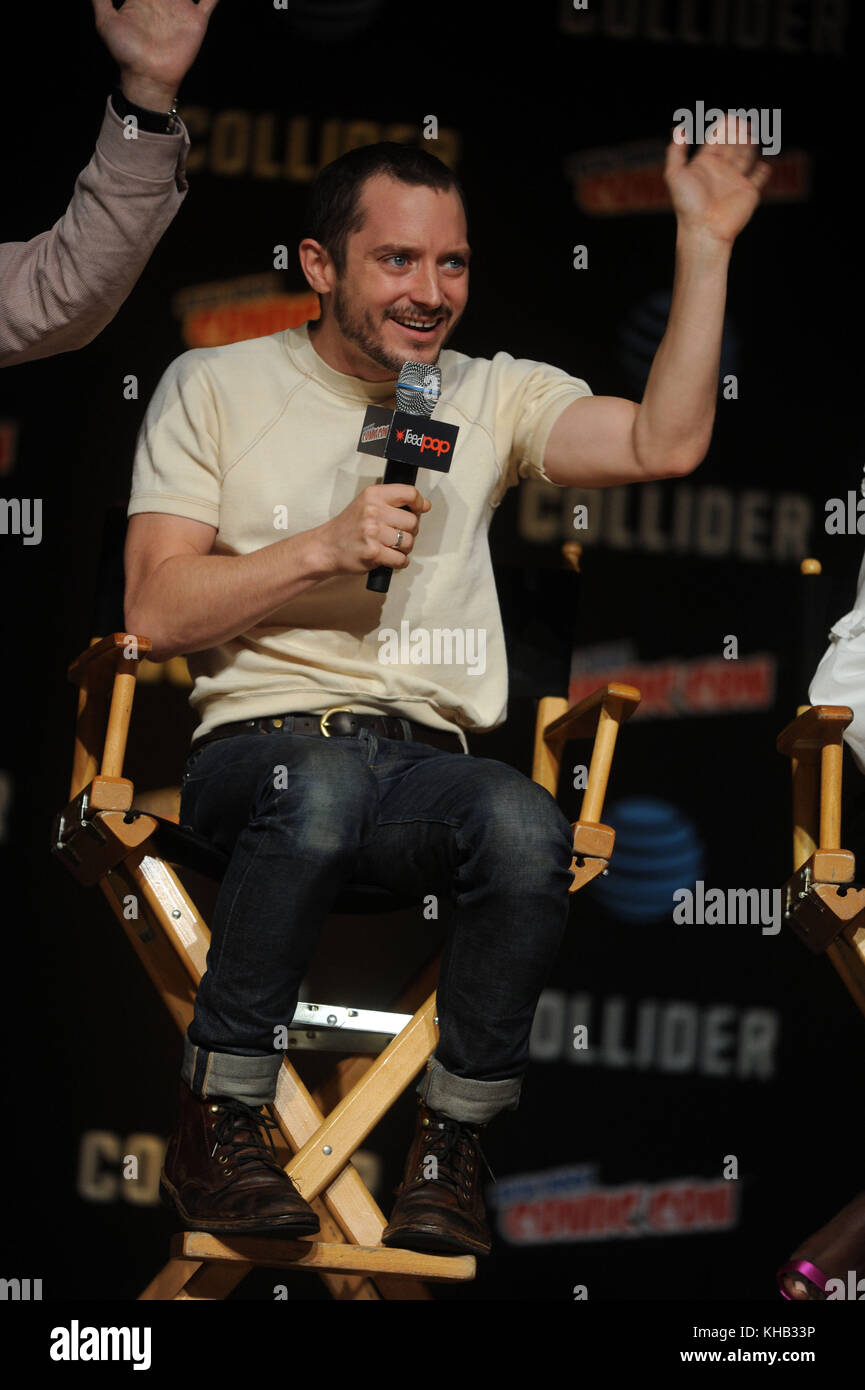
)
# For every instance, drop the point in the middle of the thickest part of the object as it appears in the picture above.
(840, 676)
(838, 1248)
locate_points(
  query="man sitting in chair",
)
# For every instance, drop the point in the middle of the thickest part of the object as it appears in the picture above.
(317, 762)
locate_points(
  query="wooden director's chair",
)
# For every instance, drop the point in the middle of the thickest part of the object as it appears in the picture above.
(825, 907)
(104, 838)
(822, 905)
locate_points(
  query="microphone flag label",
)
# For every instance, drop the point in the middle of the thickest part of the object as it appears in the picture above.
(376, 424)
(413, 439)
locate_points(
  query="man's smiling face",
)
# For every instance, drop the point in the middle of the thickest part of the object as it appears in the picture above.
(406, 278)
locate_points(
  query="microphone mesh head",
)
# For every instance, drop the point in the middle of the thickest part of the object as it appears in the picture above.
(418, 388)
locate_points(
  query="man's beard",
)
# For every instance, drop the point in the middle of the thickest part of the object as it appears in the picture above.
(359, 329)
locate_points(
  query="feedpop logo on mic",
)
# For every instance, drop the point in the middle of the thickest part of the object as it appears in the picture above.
(422, 441)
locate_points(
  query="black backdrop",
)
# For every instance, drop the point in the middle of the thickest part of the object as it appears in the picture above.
(705, 1041)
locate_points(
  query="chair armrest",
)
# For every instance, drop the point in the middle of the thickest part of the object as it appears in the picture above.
(105, 675)
(810, 731)
(813, 741)
(100, 662)
(600, 714)
(581, 721)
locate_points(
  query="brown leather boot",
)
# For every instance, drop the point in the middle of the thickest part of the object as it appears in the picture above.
(219, 1176)
(439, 1208)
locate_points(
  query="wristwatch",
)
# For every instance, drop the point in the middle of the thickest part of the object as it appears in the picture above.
(154, 122)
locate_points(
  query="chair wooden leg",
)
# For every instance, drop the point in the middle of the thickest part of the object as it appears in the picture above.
(547, 757)
(207, 1282)
(168, 1284)
(805, 832)
(90, 724)
(325, 1143)
(166, 972)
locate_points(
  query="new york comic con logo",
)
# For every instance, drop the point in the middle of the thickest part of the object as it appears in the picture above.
(570, 1204)
(423, 441)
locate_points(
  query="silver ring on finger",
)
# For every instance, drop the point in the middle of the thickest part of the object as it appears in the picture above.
(398, 541)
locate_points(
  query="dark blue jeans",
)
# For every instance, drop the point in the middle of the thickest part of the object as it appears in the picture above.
(302, 816)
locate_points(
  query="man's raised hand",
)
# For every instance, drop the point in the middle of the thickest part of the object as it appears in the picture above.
(154, 43)
(716, 192)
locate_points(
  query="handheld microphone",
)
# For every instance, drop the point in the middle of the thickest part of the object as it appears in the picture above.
(389, 434)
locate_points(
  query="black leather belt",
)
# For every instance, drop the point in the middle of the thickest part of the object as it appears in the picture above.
(340, 722)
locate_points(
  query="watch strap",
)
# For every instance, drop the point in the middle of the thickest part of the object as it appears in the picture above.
(154, 122)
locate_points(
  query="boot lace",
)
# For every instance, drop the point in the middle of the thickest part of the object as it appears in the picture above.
(237, 1128)
(452, 1144)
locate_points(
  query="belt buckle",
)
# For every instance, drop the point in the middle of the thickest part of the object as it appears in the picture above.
(334, 709)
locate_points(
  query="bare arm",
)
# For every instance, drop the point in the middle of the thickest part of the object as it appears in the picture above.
(185, 599)
(605, 440)
(602, 441)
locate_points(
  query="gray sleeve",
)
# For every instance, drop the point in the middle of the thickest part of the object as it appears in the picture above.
(59, 290)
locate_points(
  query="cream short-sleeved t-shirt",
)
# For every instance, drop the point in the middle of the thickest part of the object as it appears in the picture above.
(259, 439)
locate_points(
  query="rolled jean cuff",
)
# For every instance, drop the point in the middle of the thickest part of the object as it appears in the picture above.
(251, 1079)
(464, 1099)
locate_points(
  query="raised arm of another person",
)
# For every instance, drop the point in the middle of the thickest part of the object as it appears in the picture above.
(60, 289)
